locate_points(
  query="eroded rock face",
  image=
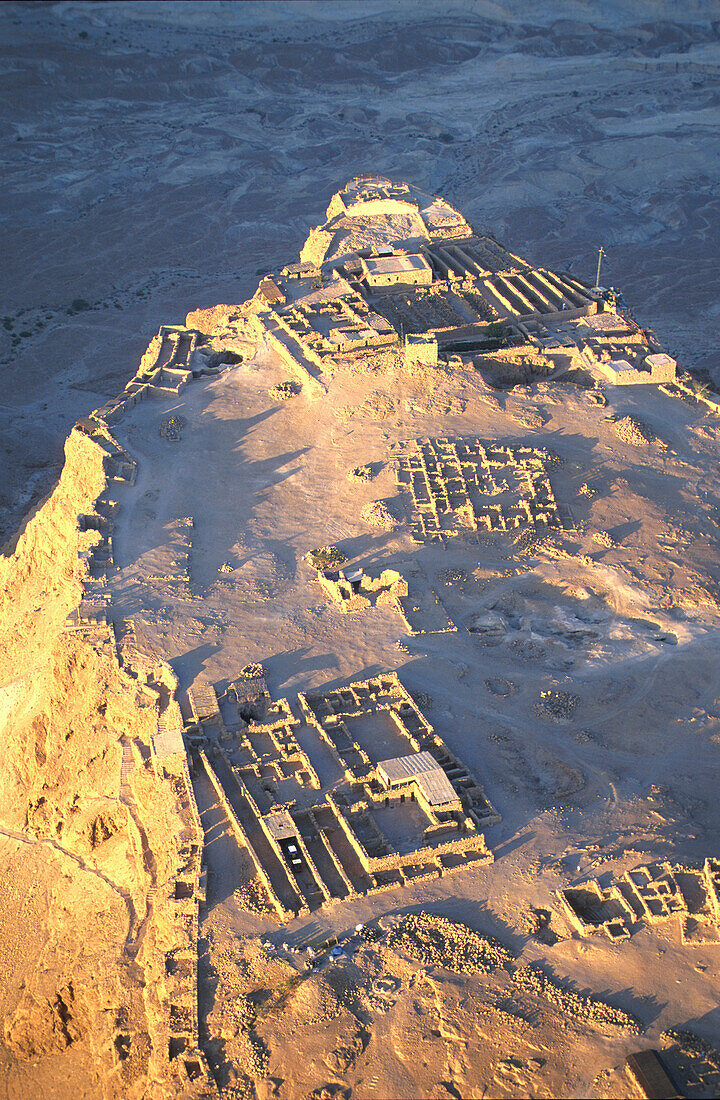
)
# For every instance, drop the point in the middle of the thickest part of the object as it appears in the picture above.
(214, 320)
(87, 832)
(43, 1027)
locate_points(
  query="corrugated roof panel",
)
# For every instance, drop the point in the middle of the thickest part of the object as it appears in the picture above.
(425, 770)
(402, 767)
(437, 788)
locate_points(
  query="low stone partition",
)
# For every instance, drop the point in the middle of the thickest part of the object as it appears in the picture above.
(391, 861)
(321, 834)
(243, 840)
(297, 368)
(590, 908)
(272, 842)
(652, 893)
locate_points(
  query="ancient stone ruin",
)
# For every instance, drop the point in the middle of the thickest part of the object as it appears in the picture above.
(458, 488)
(384, 820)
(651, 894)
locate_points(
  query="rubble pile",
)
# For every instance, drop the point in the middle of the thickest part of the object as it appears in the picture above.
(630, 430)
(251, 672)
(283, 390)
(556, 705)
(533, 980)
(171, 427)
(376, 514)
(326, 557)
(437, 941)
(361, 473)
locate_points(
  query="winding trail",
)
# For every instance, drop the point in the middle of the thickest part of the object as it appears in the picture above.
(137, 933)
(124, 894)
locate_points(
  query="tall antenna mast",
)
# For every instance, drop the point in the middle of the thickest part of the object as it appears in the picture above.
(601, 253)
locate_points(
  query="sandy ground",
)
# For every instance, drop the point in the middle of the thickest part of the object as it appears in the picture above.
(239, 134)
(629, 630)
(156, 157)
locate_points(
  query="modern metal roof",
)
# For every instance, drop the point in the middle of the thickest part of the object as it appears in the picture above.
(407, 767)
(424, 769)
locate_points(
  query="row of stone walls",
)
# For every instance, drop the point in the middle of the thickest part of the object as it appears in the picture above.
(242, 837)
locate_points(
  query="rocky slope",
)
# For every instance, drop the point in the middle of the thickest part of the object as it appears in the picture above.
(88, 834)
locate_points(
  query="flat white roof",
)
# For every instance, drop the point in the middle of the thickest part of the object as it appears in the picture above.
(392, 265)
(280, 825)
(659, 359)
(168, 743)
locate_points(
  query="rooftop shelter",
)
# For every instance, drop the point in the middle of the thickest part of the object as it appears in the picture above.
(381, 271)
(422, 769)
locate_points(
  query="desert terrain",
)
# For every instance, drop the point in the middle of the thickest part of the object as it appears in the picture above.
(360, 599)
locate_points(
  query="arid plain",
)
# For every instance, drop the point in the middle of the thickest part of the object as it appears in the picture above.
(536, 545)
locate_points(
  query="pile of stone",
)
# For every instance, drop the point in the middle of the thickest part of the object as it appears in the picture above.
(250, 895)
(528, 542)
(437, 941)
(171, 427)
(283, 390)
(455, 576)
(251, 672)
(376, 514)
(632, 431)
(361, 473)
(688, 1040)
(556, 705)
(533, 980)
(326, 557)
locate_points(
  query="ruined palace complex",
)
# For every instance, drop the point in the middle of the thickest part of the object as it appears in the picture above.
(439, 288)
(279, 666)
